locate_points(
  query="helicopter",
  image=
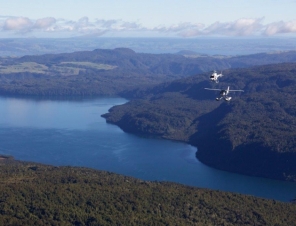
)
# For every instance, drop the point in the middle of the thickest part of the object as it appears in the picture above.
(214, 77)
(224, 92)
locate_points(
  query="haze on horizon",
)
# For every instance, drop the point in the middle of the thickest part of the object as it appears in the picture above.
(132, 18)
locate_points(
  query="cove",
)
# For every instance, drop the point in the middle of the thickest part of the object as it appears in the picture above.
(72, 132)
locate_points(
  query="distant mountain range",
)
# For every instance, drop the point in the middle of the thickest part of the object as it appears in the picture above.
(17, 47)
(111, 72)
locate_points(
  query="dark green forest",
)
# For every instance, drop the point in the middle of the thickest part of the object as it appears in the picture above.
(253, 134)
(111, 72)
(35, 194)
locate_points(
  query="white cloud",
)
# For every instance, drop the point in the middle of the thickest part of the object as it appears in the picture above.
(130, 26)
(280, 28)
(86, 27)
(179, 28)
(80, 26)
(105, 23)
(241, 27)
(17, 24)
(44, 23)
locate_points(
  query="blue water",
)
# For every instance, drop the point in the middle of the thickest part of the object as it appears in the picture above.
(72, 132)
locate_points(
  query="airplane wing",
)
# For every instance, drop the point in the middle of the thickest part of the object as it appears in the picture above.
(236, 90)
(213, 89)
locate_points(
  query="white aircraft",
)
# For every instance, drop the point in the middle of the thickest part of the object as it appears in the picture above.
(224, 92)
(214, 77)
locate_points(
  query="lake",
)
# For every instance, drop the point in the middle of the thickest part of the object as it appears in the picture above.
(72, 132)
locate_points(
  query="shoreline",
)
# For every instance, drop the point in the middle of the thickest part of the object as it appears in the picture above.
(211, 162)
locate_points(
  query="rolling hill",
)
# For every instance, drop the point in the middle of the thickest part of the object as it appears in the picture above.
(111, 72)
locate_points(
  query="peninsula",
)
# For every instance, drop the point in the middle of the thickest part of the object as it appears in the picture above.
(253, 134)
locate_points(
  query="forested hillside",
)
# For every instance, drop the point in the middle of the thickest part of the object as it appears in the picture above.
(111, 72)
(35, 194)
(253, 134)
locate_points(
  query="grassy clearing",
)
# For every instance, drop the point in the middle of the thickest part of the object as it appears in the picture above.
(66, 71)
(64, 68)
(31, 67)
(91, 65)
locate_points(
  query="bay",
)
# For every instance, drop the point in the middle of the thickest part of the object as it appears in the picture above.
(72, 132)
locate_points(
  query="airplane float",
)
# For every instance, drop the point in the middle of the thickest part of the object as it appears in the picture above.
(224, 93)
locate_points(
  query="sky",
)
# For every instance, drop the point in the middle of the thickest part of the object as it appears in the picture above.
(137, 18)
